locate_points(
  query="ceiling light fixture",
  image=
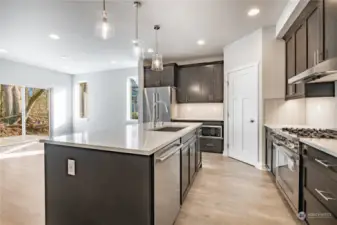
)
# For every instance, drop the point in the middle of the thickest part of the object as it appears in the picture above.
(65, 57)
(54, 36)
(253, 12)
(200, 42)
(3, 51)
(113, 62)
(136, 42)
(107, 29)
(150, 50)
(157, 59)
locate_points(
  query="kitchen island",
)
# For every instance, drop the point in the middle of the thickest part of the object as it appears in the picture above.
(135, 174)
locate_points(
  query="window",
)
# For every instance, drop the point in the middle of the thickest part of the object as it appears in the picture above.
(14, 100)
(10, 110)
(37, 111)
(132, 102)
(83, 100)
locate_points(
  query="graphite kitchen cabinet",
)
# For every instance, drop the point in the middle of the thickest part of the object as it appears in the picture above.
(304, 48)
(290, 65)
(163, 78)
(301, 56)
(319, 185)
(200, 83)
(330, 35)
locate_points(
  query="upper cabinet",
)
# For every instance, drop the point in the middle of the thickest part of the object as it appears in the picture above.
(167, 77)
(200, 83)
(330, 35)
(311, 40)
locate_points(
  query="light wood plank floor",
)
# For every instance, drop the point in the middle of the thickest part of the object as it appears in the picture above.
(225, 192)
(228, 192)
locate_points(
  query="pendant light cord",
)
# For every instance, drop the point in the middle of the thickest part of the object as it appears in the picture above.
(103, 5)
(137, 5)
(157, 27)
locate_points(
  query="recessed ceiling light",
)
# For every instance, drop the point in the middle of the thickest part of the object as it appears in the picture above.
(65, 57)
(253, 12)
(4, 51)
(54, 36)
(201, 42)
(150, 50)
(113, 62)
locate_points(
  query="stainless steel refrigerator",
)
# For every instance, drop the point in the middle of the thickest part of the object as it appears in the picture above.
(159, 103)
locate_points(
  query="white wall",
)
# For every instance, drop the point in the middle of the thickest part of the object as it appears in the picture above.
(61, 84)
(107, 99)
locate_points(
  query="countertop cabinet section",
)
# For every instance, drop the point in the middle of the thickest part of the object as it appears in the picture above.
(200, 83)
(160, 78)
(319, 187)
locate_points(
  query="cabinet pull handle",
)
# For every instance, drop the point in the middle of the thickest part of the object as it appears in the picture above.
(323, 196)
(324, 163)
(210, 145)
(315, 58)
(317, 55)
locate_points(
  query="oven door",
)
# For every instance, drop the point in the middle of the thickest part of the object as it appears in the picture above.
(287, 174)
(211, 132)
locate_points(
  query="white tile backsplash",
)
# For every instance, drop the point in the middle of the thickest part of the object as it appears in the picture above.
(316, 112)
(279, 111)
(198, 111)
(321, 112)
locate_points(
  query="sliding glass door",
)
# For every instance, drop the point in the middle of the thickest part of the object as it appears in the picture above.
(23, 110)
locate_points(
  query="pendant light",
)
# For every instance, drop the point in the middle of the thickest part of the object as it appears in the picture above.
(106, 28)
(157, 59)
(136, 42)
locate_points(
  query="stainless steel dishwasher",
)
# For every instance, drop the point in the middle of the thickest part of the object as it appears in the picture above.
(167, 184)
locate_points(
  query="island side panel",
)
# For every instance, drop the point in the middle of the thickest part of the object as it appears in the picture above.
(108, 187)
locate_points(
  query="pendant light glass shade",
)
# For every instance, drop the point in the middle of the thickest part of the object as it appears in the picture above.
(107, 29)
(157, 59)
(157, 62)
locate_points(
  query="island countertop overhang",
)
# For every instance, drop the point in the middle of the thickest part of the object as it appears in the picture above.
(139, 139)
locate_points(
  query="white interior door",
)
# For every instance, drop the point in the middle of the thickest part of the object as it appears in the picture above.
(243, 114)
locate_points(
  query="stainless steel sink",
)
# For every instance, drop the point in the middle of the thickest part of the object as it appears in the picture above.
(169, 129)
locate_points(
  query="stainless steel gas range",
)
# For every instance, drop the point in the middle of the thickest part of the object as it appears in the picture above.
(286, 142)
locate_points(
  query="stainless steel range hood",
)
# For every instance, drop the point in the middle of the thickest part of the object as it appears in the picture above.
(322, 72)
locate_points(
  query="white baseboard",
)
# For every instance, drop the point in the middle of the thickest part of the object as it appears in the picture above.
(261, 166)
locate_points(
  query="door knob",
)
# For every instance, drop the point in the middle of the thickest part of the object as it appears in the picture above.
(252, 121)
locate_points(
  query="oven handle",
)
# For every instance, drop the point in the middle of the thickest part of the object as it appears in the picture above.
(284, 150)
(210, 137)
(323, 196)
(324, 163)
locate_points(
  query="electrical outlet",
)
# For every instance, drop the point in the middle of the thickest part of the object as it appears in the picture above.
(71, 167)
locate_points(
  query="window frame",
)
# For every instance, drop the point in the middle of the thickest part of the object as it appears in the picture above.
(129, 100)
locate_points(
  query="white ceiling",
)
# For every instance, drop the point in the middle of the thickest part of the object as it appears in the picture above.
(26, 24)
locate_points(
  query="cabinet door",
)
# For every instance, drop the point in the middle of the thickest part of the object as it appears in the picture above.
(218, 81)
(193, 84)
(206, 81)
(167, 76)
(151, 78)
(290, 64)
(301, 55)
(330, 7)
(192, 160)
(182, 85)
(313, 24)
(185, 174)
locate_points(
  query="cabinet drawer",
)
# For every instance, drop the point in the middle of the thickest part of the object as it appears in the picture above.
(316, 213)
(320, 185)
(326, 163)
(211, 145)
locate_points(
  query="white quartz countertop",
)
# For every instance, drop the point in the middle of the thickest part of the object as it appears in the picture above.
(328, 146)
(134, 138)
(198, 119)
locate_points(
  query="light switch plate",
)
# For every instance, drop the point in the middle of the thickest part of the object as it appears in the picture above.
(71, 167)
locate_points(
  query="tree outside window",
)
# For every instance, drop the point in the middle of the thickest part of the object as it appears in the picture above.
(134, 99)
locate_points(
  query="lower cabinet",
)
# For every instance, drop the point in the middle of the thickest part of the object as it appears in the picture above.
(319, 187)
(185, 171)
(190, 162)
(211, 145)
